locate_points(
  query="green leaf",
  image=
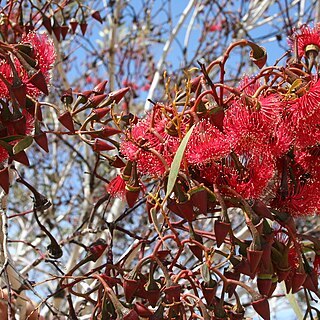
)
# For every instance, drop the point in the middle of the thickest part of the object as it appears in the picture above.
(154, 218)
(22, 144)
(175, 166)
(6, 146)
(205, 272)
(12, 138)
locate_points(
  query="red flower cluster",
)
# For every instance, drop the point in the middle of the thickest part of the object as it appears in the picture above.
(267, 146)
(306, 39)
(34, 52)
(24, 71)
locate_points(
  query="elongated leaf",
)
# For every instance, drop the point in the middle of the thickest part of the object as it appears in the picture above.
(205, 273)
(155, 220)
(294, 304)
(6, 146)
(175, 166)
(11, 138)
(23, 144)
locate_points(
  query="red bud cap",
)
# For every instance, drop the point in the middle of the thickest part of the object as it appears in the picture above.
(264, 283)
(64, 31)
(221, 229)
(66, 120)
(196, 250)
(96, 15)
(116, 162)
(234, 275)
(311, 282)
(109, 131)
(29, 28)
(260, 208)
(96, 100)
(132, 195)
(97, 249)
(83, 27)
(209, 293)
(99, 113)
(100, 87)
(199, 198)
(142, 310)
(162, 255)
(4, 179)
(85, 95)
(262, 308)
(42, 141)
(73, 25)
(39, 81)
(22, 158)
(47, 23)
(254, 258)
(130, 287)
(32, 110)
(173, 293)
(56, 30)
(101, 145)
(283, 273)
(298, 280)
(186, 210)
(153, 297)
(195, 83)
(116, 96)
(20, 93)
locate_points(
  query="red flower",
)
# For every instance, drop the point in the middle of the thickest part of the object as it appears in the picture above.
(304, 116)
(306, 109)
(156, 132)
(116, 187)
(250, 180)
(293, 257)
(308, 39)
(252, 125)
(43, 50)
(44, 55)
(206, 144)
(249, 89)
(302, 199)
(249, 177)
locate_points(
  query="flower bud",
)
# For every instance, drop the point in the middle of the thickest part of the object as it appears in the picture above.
(101, 145)
(130, 287)
(254, 258)
(73, 25)
(100, 87)
(132, 194)
(39, 81)
(96, 15)
(4, 179)
(66, 120)
(142, 310)
(262, 308)
(221, 229)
